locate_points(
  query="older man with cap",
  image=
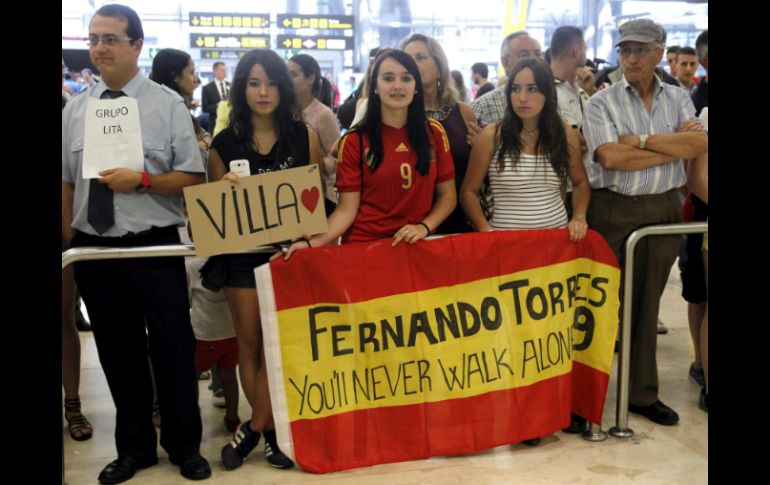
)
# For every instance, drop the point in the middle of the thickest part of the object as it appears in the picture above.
(638, 131)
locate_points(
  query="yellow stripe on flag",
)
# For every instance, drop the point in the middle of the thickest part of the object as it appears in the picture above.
(451, 342)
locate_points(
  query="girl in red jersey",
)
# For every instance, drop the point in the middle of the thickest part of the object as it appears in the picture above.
(392, 165)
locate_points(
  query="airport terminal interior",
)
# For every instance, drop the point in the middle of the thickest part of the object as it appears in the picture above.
(470, 32)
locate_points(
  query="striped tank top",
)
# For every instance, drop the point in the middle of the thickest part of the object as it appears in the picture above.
(528, 196)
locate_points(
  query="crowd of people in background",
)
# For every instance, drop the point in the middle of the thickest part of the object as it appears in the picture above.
(419, 153)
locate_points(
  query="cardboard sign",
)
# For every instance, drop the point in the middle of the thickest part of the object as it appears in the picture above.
(112, 136)
(377, 354)
(267, 208)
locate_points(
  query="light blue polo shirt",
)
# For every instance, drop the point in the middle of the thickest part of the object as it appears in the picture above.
(169, 143)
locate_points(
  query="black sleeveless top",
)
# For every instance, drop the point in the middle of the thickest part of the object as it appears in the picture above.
(456, 132)
(229, 148)
(285, 154)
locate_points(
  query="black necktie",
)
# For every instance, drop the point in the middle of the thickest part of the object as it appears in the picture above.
(224, 90)
(101, 211)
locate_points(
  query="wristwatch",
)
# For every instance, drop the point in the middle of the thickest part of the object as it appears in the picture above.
(144, 184)
(643, 141)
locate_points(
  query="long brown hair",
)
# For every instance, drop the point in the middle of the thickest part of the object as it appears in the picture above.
(552, 142)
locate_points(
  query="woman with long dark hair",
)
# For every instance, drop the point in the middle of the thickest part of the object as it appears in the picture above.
(392, 165)
(529, 156)
(308, 86)
(265, 128)
(176, 69)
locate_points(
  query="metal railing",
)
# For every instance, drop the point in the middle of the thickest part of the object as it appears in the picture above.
(621, 429)
(93, 253)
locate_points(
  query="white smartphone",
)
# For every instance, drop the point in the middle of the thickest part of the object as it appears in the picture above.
(240, 167)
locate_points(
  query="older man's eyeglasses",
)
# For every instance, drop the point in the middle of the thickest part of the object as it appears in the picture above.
(524, 54)
(109, 40)
(639, 51)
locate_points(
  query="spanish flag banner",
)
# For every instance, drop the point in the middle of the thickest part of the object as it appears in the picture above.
(378, 354)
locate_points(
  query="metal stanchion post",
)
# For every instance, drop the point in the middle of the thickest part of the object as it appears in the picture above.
(621, 429)
(594, 433)
(62, 450)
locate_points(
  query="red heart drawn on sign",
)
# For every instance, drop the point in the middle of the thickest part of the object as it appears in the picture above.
(310, 198)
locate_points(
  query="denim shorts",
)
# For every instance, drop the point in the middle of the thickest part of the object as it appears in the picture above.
(240, 271)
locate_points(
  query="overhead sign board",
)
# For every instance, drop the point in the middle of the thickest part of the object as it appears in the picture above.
(219, 19)
(331, 22)
(218, 54)
(318, 42)
(229, 41)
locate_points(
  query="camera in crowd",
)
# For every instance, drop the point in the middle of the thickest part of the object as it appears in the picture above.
(593, 64)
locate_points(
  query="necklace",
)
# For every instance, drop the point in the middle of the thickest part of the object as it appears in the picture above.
(530, 132)
(439, 114)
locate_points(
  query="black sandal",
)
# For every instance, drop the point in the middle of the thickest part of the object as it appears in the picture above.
(80, 428)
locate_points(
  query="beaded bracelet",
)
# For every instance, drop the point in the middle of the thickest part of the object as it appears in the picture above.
(426, 227)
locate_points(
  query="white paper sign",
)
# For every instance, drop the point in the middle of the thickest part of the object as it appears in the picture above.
(113, 136)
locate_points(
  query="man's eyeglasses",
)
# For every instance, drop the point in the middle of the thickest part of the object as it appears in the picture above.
(109, 40)
(639, 51)
(526, 54)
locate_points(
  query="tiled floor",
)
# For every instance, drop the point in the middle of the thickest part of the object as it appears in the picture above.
(656, 454)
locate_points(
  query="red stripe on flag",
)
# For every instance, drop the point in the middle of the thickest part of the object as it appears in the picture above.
(399, 433)
(363, 271)
(588, 404)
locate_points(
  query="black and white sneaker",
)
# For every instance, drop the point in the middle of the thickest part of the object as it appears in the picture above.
(241, 445)
(274, 455)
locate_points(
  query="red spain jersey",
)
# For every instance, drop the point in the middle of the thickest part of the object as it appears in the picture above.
(396, 193)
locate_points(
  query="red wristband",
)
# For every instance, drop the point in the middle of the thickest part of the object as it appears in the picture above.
(144, 183)
(145, 180)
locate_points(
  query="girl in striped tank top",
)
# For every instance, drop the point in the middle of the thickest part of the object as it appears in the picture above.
(529, 155)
